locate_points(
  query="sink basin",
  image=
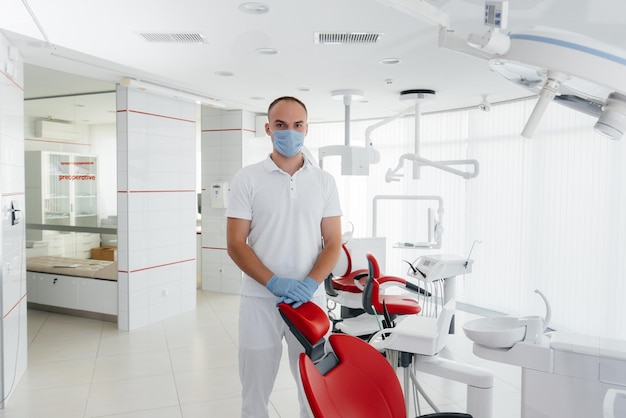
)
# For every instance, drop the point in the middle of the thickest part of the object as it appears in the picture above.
(498, 332)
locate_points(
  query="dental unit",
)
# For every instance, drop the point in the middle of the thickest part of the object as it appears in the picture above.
(564, 374)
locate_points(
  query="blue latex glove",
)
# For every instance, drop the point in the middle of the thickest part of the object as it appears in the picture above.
(281, 287)
(304, 291)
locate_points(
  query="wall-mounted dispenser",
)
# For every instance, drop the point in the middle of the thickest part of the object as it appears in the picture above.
(219, 195)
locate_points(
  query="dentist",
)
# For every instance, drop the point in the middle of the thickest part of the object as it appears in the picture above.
(284, 232)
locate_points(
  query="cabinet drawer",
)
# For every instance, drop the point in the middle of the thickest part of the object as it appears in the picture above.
(50, 289)
(97, 296)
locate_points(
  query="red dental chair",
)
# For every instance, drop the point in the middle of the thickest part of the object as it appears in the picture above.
(374, 301)
(350, 283)
(378, 304)
(346, 287)
(353, 380)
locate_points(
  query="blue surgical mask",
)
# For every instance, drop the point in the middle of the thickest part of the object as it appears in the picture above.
(288, 142)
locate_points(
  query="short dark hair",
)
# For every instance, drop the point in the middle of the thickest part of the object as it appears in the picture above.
(289, 98)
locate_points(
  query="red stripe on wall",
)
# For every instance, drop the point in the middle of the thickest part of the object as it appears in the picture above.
(12, 80)
(14, 306)
(155, 114)
(156, 191)
(158, 266)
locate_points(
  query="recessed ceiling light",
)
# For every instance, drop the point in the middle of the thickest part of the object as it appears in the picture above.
(304, 89)
(257, 98)
(267, 51)
(390, 61)
(224, 73)
(254, 8)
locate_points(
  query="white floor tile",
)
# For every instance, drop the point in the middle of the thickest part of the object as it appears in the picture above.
(186, 367)
(131, 395)
(208, 385)
(125, 366)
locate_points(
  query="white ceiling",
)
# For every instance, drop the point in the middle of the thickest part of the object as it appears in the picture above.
(99, 43)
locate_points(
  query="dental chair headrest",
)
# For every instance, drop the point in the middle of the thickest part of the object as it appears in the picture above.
(309, 324)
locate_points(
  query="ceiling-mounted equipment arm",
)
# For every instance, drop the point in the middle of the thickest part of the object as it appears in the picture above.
(392, 175)
(370, 129)
(355, 161)
(546, 95)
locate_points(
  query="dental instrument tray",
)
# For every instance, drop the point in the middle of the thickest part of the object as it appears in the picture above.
(434, 267)
(415, 245)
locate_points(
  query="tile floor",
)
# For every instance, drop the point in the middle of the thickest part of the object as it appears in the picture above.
(185, 366)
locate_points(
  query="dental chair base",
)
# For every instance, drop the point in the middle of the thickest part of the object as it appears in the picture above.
(478, 380)
(423, 338)
(565, 375)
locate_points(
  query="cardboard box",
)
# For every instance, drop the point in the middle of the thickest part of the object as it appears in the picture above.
(104, 253)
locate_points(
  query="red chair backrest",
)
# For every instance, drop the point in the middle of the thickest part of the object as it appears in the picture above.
(375, 303)
(352, 381)
(362, 384)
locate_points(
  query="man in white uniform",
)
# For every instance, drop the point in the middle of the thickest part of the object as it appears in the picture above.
(284, 232)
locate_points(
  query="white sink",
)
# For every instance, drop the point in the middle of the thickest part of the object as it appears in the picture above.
(497, 332)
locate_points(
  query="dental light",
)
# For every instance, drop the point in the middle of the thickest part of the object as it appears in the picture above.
(612, 122)
(355, 161)
(585, 73)
(556, 65)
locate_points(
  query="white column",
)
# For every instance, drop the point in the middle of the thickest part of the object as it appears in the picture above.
(156, 148)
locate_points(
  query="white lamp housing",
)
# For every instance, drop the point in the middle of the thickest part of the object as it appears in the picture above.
(612, 122)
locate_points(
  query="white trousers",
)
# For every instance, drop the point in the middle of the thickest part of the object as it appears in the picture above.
(261, 332)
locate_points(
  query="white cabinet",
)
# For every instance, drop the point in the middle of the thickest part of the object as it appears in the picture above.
(51, 289)
(61, 188)
(97, 296)
(78, 293)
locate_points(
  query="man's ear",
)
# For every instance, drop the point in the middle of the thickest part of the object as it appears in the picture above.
(267, 129)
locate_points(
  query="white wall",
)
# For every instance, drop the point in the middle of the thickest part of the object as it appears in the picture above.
(228, 143)
(12, 250)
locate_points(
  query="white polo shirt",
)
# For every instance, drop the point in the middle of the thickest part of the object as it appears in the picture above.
(286, 213)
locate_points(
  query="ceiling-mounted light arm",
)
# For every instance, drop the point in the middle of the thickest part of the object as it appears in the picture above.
(393, 175)
(493, 41)
(547, 93)
(419, 95)
(372, 128)
(449, 40)
(347, 100)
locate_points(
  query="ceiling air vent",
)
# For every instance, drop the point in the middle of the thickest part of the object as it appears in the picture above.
(350, 38)
(185, 38)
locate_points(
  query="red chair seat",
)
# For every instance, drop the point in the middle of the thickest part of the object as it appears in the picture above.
(399, 305)
(346, 283)
(373, 298)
